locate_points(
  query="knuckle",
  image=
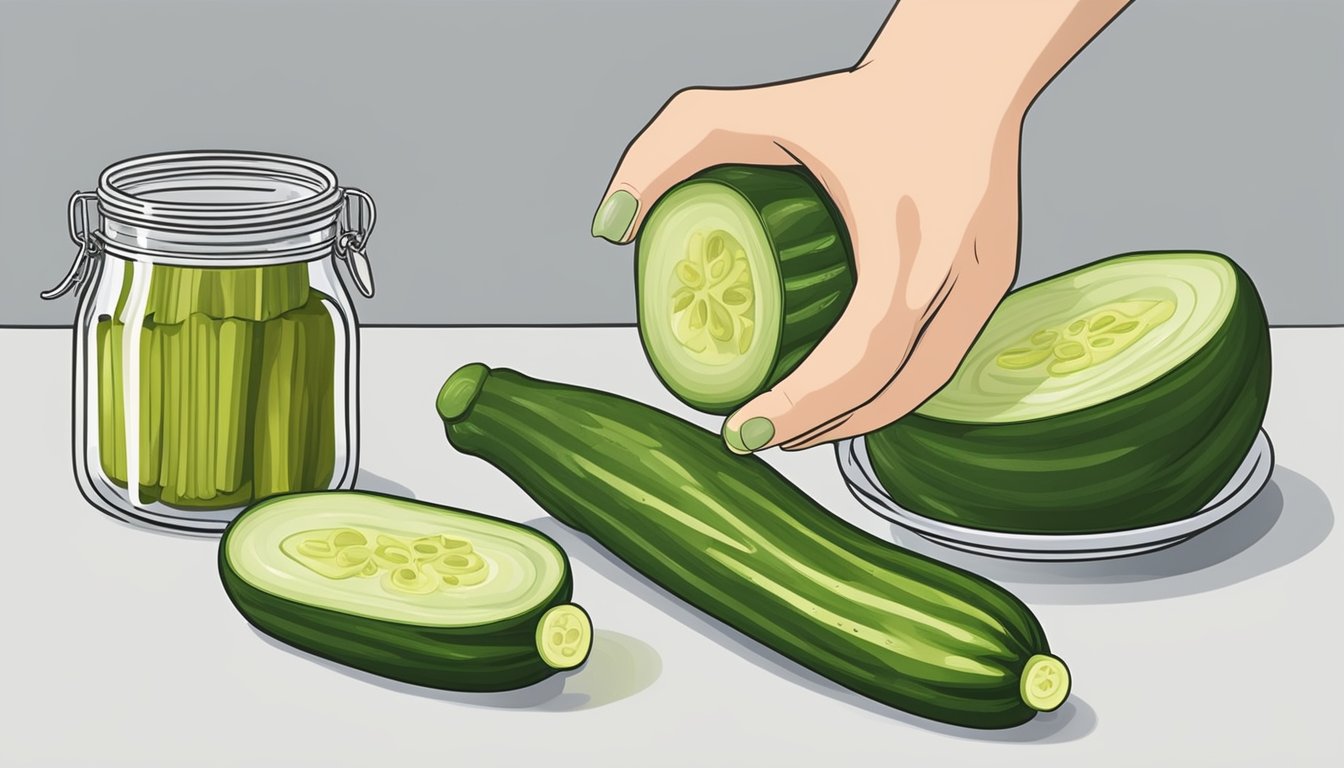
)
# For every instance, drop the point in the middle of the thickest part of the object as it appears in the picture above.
(926, 284)
(994, 270)
(688, 100)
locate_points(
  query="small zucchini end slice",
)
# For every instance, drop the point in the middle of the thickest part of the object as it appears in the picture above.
(565, 636)
(1045, 682)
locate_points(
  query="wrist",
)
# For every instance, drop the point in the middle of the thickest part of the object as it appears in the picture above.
(996, 56)
(946, 98)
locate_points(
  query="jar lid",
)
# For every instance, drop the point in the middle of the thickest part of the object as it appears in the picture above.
(222, 206)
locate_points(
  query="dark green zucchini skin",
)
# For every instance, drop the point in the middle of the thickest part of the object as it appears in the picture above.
(816, 265)
(487, 657)
(1155, 455)
(732, 537)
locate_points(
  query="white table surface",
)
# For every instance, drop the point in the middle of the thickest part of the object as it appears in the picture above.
(120, 647)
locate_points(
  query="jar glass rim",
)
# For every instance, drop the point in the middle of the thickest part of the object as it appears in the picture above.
(217, 189)
(218, 206)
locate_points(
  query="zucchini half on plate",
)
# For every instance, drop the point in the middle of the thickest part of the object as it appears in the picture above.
(1119, 396)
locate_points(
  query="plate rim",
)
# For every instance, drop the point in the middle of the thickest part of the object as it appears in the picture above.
(1252, 473)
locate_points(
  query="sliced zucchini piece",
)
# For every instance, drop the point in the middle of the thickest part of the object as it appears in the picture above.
(411, 591)
(739, 273)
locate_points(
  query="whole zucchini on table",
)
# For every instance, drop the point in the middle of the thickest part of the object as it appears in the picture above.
(732, 537)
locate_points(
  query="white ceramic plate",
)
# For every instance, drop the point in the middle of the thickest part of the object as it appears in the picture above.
(1249, 478)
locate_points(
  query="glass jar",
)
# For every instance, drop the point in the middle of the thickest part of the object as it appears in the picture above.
(216, 349)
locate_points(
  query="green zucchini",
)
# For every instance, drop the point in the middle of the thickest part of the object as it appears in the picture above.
(739, 273)
(732, 537)
(1119, 395)
(410, 591)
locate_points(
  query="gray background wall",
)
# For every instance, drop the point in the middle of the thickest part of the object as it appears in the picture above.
(487, 131)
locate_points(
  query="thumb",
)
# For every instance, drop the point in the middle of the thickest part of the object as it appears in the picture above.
(697, 128)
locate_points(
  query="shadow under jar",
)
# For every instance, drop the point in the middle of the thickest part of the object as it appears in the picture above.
(216, 349)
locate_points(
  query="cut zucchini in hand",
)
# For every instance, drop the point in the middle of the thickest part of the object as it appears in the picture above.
(410, 591)
(740, 271)
(1119, 395)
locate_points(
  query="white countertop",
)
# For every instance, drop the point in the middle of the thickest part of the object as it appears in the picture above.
(122, 649)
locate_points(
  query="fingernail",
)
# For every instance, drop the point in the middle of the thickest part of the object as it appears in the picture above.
(733, 440)
(615, 215)
(755, 433)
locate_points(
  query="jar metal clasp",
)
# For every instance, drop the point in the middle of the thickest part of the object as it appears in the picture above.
(83, 235)
(352, 242)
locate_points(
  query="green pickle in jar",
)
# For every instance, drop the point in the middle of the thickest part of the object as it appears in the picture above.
(236, 378)
(216, 342)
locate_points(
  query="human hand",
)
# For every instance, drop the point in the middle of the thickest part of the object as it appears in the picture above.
(919, 152)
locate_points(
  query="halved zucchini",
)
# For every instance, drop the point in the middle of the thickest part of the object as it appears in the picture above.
(1119, 395)
(407, 590)
(739, 273)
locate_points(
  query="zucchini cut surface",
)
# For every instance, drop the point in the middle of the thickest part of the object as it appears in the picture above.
(739, 273)
(411, 591)
(1121, 395)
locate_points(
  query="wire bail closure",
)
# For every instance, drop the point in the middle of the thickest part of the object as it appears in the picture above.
(351, 244)
(360, 216)
(83, 236)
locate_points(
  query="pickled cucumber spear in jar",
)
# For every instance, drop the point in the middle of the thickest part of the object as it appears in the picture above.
(248, 293)
(112, 436)
(294, 443)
